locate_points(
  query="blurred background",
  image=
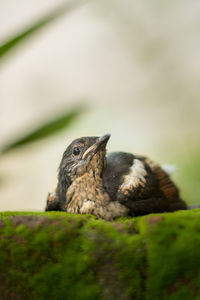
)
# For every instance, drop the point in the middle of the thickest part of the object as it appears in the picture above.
(79, 68)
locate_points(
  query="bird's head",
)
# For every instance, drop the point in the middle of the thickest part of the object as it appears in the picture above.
(83, 155)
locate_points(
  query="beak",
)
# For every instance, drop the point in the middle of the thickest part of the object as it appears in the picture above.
(101, 142)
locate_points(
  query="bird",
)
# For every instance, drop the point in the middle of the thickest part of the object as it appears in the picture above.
(112, 185)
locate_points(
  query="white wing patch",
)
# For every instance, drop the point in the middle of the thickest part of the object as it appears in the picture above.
(134, 178)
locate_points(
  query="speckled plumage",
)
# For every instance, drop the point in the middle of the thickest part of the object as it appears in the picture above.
(111, 186)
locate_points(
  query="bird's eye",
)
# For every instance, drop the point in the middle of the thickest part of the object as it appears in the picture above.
(76, 151)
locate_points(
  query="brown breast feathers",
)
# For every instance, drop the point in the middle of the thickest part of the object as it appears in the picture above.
(86, 195)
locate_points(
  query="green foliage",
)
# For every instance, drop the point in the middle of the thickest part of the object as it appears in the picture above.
(45, 130)
(63, 256)
(61, 122)
(20, 37)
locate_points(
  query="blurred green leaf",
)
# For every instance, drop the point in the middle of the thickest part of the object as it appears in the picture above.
(45, 130)
(11, 44)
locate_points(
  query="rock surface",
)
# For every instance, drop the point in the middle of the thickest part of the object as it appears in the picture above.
(61, 256)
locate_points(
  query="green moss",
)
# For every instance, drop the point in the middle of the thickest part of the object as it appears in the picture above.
(173, 256)
(63, 256)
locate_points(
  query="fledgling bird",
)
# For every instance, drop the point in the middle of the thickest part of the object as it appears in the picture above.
(119, 184)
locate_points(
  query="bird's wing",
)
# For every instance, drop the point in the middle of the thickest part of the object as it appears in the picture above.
(52, 202)
(57, 199)
(136, 177)
(128, 177)
(166, 185)
(139, 183)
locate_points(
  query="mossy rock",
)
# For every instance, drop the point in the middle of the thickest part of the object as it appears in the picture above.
(61, 256)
